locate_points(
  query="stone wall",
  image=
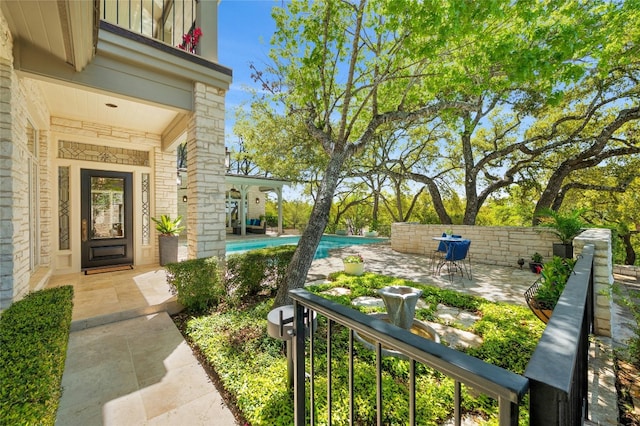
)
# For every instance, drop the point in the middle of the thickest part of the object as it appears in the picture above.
(494, 245)
(602, 275)
(20, 102)
(628, 271)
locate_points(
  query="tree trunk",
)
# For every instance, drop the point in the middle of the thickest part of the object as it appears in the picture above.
(630, 254)
(470, 174)
(551, 191)
(296, 274)
(438, 205)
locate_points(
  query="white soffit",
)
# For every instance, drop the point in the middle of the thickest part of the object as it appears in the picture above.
(78, 104)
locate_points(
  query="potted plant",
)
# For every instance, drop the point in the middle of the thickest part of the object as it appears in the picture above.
(565, 227)
(543, 295)
(169, 229)
(536, 263)
(353, 264)
(373, 229)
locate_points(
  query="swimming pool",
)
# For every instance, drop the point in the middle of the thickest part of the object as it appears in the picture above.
(327, 242)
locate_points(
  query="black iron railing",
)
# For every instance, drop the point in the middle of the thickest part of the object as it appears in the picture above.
(170, 21)
(504, 386)
(556, 376)
(558, 369)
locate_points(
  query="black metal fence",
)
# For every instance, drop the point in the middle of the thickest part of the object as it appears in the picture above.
(556, 375)
(558, 369)
(170, 21)
(506, 387)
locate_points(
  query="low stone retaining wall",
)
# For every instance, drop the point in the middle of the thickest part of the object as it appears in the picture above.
(493, 245)
(627, 271)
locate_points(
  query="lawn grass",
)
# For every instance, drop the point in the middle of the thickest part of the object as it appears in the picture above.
(252, 366)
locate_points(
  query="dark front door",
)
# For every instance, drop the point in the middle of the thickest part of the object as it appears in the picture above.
(107, 221)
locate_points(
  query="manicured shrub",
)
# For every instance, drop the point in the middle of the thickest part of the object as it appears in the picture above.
(257, 271)
(34, 333)
(197, 282)
(253, 366)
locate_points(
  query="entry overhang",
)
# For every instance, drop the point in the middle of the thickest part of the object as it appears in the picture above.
(129, 65)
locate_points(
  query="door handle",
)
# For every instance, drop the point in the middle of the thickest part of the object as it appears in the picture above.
(84, 230)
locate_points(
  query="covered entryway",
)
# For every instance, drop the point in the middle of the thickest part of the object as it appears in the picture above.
(106, 219)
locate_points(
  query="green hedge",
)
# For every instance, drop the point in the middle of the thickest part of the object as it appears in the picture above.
(197, 282)
(257, 271)
(253, 367)
(34, 333)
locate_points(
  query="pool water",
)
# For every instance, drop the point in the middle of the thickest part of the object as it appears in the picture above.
(327, 242)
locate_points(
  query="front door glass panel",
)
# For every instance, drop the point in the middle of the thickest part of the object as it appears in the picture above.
(107, 208)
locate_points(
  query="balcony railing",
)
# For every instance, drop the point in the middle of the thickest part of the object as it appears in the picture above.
(168, 21)
(556, 374)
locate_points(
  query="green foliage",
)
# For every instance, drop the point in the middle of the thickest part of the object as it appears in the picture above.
(197, 282)
(565, 227)
(631, 300)
(34, 333)
(257, 271)
(253, 367)
(272, 220)
(167, 226)
(555, 274)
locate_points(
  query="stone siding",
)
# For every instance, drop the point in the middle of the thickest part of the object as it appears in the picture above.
(6, 164)
(103, 134)
(205, 168)
(7, 213)
(166, 190)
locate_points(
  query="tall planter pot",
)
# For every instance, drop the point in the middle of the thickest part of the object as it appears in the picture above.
(564, 251)
(354, 268)
(168, 245)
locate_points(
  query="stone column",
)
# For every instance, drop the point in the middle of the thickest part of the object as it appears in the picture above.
(602, 275)
(206, 233)
(7, 211)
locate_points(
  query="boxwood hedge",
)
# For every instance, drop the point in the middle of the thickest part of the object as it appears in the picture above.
(34, 333)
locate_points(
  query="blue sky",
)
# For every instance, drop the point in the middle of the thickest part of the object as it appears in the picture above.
(245, 28)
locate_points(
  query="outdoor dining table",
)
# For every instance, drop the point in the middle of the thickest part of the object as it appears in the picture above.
(446, 240)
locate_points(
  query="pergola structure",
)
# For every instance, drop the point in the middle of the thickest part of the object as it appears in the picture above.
(240, 186)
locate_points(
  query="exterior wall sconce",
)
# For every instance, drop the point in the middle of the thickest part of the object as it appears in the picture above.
(227, 158)
(257, 200)
(184, 198)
